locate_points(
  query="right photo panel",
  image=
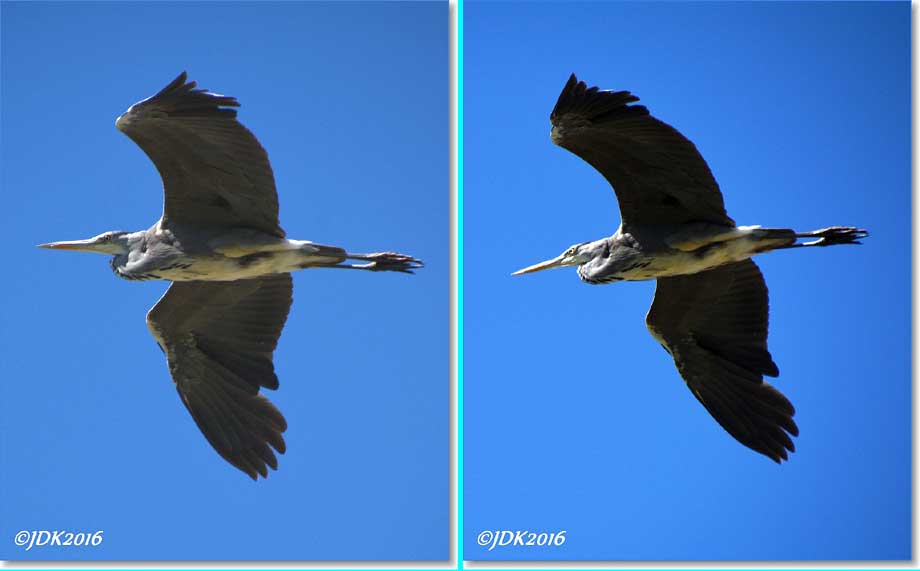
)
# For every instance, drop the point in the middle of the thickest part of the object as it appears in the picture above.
(687, 281)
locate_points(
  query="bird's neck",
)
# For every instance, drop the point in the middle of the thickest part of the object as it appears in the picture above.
(133, 249)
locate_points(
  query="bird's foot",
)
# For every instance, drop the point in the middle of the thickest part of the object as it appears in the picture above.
(387, 262)
(835, 235)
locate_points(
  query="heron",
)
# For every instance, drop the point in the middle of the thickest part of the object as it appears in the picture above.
(710, 309)
(220, 243)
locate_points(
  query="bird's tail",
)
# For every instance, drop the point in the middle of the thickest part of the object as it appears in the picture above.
(824, 237)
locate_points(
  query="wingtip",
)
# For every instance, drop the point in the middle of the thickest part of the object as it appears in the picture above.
(592, 103)
(180, 81)
(180, 97)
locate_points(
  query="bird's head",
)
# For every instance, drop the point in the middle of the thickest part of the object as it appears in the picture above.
(113, 242)
(575, 255)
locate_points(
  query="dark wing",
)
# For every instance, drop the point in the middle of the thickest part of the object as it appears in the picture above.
(714, 324)
(219, 338)
(658, 175)
(214, 170)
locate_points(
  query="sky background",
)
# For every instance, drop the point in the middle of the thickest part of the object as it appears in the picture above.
(351, 102)
(575, 419)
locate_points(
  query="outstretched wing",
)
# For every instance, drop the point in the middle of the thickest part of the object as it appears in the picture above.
(218, 338)
(714, 324)
(214, 170)
(658, 175)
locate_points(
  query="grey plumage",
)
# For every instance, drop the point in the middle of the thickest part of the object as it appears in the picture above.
(220, 242)
(658, 175)
(710, 310)
(218, 338)
(714, 324)
(214, 170)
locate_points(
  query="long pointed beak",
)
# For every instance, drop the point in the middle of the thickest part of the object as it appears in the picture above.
(556, 262)
(88, 245)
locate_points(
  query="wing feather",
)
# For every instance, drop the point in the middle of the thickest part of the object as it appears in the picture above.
(658, 175)
(219, 339)
(715, 324)
(214, 170)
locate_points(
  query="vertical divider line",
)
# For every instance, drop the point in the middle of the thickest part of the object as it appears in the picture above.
(459, 96)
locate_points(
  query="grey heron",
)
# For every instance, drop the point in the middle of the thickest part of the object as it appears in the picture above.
(710, 310)
(220, 244)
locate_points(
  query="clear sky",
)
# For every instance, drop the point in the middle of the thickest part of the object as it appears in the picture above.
(351, 102)
(575, 419)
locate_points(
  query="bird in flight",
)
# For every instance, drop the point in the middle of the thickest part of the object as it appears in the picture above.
(710, 311)
(220, 244)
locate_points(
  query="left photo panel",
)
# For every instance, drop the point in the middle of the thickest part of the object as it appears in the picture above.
(229, 162)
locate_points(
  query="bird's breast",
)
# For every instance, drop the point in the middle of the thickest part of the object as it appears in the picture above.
(672, 262)
(217, 267)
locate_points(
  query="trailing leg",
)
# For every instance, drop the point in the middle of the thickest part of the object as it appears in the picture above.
(782, 238)
(834, 235)
(383, 262)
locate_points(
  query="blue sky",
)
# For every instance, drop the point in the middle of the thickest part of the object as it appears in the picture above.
(350, 100)
(575, 419)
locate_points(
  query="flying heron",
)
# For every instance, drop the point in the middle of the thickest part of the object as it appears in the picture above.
(710, 311)
(220, 243)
